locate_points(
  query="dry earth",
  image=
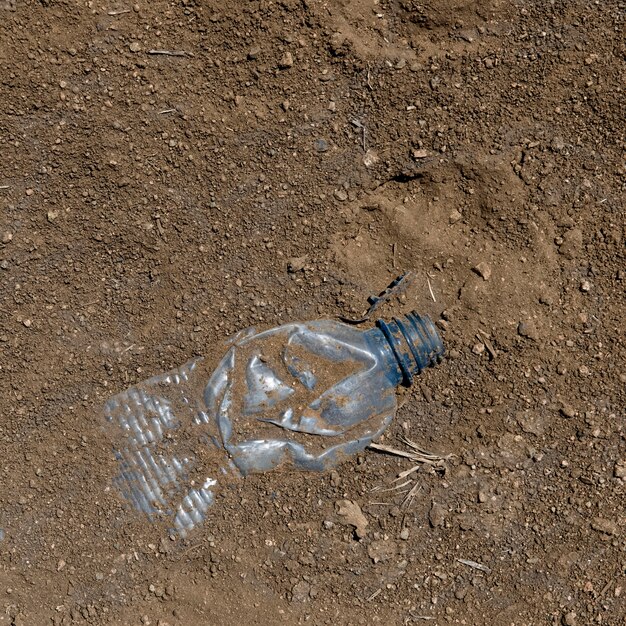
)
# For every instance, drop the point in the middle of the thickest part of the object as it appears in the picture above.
(288, 161)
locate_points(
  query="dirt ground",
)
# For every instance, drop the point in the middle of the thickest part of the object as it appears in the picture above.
(284, 160)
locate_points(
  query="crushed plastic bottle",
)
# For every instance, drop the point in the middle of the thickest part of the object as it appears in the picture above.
(306, 395)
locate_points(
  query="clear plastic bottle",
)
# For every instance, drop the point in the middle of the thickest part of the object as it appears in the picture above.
(303, 394)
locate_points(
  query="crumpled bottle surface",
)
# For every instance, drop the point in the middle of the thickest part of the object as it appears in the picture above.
(305, 395)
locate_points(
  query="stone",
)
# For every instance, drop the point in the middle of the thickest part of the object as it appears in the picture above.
(296, 264)
(254, 52)
(528, 329)
(301, 591)
(606, 526)
(135, 46)
(437, 515)
(572, 243)
(483, 270)
(321, 145)
(381, 550)
(620, 469)
(569, 619)
(455, 217)
(286, 61)
(370, 158)
(531, 422)
(478, 348)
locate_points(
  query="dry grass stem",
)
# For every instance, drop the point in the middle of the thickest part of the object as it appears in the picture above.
(430, 288)
(475, 565)
(412, 493)
(419, 456)
(170, 53)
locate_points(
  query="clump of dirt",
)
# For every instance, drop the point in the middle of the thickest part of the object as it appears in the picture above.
(174, 172)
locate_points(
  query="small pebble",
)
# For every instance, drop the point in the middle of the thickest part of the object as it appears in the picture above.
(478, 348)
(443, 324)
(370, 158)
(620, 470)
(455, 217)
(404, 534)
(527, 329)
(572, 243)
(585, 286)
(460, 593)
(606, 526)
(569, 619)
(301, 591)
(286, 61)
(7, 236)
(135, 46)
(483, 270)
(568, 411)
(254, 52)
(437, 515)
(341, 194)
(321, 145)
(27, 323)
(296, 264)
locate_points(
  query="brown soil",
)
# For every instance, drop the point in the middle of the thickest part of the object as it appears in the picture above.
(297, 157)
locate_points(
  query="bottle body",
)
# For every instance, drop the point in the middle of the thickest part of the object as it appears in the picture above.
(305, 395)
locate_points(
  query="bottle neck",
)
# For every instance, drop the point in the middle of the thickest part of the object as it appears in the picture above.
(409, 344)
